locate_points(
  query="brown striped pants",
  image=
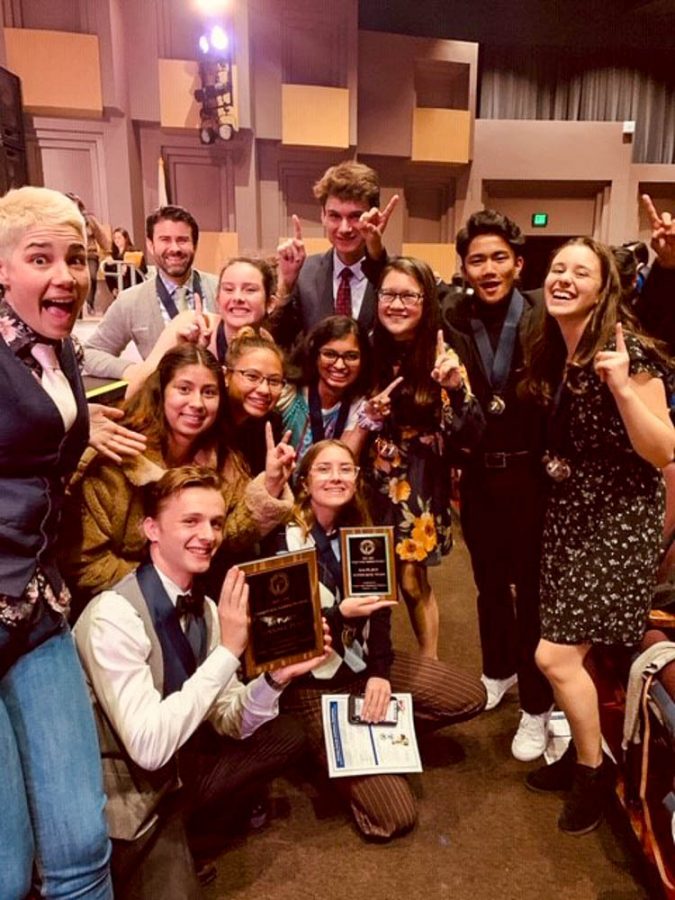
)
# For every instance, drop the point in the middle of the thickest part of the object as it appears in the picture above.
(384, 805)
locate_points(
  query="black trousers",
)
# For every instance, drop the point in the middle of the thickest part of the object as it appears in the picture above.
(502, 520)
(215, 772)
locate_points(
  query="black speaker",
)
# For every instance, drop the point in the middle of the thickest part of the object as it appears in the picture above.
(13, 167)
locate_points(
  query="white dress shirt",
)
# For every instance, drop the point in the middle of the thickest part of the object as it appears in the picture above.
(114, 648)
(358, 282)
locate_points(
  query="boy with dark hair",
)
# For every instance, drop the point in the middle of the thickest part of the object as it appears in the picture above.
(502, 485)
(162, 662)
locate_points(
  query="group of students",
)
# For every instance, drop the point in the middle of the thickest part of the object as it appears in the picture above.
(228, 448)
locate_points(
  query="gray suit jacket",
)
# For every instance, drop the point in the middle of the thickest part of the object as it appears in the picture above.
(134, 316)
(312, 301)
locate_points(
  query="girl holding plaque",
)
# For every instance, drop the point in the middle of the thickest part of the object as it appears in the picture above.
(362, 660)
(609, 435)
(423, 411)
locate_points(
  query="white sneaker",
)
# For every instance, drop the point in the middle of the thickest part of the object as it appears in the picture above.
(532, 736)
(496, 688)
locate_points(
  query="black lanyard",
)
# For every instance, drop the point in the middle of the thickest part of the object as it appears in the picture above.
(497, 366)
(167, 300)
(316, 419)
(221, 343)
(328, 561)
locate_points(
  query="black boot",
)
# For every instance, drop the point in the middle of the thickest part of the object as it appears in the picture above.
(590, 794)
(559, 776)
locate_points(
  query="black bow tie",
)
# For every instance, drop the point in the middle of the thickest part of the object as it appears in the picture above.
(190, 604)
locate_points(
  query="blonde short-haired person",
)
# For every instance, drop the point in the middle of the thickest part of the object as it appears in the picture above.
(51, 794)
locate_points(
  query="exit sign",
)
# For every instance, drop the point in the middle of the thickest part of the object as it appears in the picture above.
(539, 220)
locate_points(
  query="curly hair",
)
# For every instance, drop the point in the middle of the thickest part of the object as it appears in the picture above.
(349, 180)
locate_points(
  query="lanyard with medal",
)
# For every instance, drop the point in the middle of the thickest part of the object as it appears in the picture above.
(556, 466)
(316, 417)
(497, 366)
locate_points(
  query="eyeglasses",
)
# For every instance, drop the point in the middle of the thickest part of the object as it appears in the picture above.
(409, 299)
(327, 470)
(349, 358)
(255, 379)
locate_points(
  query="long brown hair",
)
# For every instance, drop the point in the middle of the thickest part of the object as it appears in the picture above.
(145, 411)
(419, 393)
(353, 513)
(545, 351)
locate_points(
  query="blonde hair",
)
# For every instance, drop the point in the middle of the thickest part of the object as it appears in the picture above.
(27, 207)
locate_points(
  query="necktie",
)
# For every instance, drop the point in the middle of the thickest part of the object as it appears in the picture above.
(190, 609)
(343, 301)
(55, 382)
(180, 298)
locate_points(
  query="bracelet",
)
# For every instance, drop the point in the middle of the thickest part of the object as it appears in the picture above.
(272, 683)
(363, 420)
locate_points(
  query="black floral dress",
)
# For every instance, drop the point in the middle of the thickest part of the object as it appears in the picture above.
(603, 524)
(409, 473)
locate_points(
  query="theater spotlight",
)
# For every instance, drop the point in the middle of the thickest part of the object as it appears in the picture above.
(207, 135)
(215, 43)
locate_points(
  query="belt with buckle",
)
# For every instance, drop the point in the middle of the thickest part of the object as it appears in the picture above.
(503, 459)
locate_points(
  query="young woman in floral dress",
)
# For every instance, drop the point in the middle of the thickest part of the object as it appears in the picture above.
(423, 411)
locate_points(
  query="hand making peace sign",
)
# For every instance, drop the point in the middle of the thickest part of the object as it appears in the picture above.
(372, 226)
(279, 461)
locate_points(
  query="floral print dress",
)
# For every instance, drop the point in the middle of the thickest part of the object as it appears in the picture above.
(409, 475)
(603, 526)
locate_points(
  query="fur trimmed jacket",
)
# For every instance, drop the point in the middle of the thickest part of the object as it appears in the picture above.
(101, 539)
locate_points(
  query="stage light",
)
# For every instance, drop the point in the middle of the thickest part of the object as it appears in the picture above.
(225, 132)
(204, 44)
(219, 38)
(212, 7)
(207, 135)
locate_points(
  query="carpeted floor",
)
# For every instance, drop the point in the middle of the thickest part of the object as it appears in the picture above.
(481, 834)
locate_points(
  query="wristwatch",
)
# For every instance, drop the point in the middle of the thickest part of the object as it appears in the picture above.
(272, 683)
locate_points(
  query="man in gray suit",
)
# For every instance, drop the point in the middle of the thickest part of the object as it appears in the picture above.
(140, 312)
(325, 284)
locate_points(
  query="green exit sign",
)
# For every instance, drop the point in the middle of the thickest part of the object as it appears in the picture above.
(539, 220)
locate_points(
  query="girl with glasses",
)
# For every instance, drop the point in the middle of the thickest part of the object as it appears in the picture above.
(181, 411)
(362, 660)
(424, 411)
(334, 362)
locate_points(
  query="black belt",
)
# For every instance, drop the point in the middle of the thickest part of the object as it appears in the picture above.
(499, 459)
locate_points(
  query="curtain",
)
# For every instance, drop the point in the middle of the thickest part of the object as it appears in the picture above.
(556, 83)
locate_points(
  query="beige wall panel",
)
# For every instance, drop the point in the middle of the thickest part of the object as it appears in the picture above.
(317, 245)
(566, 215)
(178, 79)
(441, 135)
(215, 248)
(441, 257)
(60, 72)
(314, 116)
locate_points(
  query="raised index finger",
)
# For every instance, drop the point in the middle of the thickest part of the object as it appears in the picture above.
(389, 208)
(620, 341)
(199, 307)
(440, 343)
(297, 229)
(650, 209)
(269, 436)
(390, 387)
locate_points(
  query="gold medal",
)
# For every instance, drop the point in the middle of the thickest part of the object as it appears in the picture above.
(496, 406)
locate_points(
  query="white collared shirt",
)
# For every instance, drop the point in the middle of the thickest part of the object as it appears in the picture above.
(114, 648)
(358, 282)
